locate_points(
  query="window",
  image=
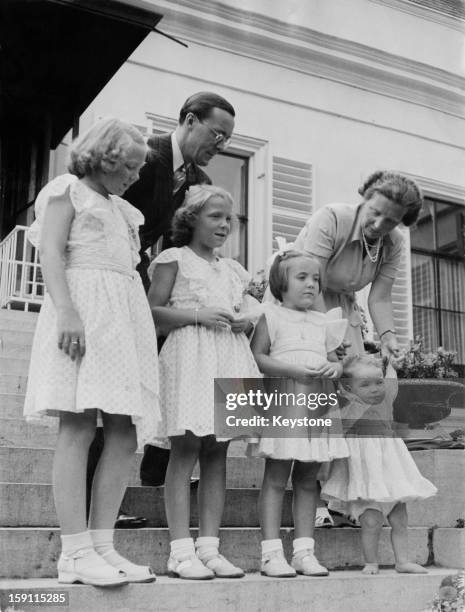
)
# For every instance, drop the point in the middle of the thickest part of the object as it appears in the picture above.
(438, 276)
(230, 171)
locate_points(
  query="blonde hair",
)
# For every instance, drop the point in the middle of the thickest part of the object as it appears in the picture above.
(102, 146)
(351, 363)
(185, 217)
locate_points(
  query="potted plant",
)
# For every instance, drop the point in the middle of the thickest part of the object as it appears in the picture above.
(428, 386)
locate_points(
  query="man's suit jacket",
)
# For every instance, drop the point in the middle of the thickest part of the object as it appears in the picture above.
(153, 195)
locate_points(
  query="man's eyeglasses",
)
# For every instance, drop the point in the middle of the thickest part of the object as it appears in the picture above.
(220, 139)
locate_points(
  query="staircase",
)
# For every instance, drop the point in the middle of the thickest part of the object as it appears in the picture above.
(30, 545)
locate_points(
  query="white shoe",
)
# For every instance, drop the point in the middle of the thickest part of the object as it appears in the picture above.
(275, 565)
(134, 573)
(222, 567)
(190, 569)
(307, 564)
(88, 567)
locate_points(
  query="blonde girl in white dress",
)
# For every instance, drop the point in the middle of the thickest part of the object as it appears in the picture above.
(94, 349)
(296, 343)
(196, 297)
(379, 476)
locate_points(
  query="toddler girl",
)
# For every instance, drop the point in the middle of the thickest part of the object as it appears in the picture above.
(296, 342)
(94, 348)
(195, 297)
(380, 475)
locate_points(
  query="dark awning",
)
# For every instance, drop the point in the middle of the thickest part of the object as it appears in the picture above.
(56, 55)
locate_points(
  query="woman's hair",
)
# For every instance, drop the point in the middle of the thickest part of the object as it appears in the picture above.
(397, 188)
(279, 271)
(352, 362)
(184, 220)
(102, 146)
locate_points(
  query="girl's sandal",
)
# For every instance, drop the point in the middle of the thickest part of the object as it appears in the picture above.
(134, 573)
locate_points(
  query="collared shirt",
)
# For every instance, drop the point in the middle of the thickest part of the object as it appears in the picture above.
(178, 159)
(334, 233)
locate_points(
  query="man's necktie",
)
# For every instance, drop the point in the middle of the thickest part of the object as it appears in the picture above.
(179, 178)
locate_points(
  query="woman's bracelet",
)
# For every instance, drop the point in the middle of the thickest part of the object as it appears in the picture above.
(387, 331)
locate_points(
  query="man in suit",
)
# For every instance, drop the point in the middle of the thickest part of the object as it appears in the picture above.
(206, 122)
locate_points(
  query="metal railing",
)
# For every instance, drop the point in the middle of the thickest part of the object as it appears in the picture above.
(21, 282)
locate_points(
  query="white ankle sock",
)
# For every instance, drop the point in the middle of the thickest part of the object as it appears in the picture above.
(301, 544)
(183, 548)
(76, 541)
(207, 547)
(269, 546)
(102, 539)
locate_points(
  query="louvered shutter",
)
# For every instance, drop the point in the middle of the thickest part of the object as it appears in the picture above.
(402, 296)
(292, 197)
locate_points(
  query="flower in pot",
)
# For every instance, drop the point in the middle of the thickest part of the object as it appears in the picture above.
(427, 388)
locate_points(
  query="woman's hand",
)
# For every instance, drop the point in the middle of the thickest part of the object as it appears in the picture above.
(71, 338)
(214, 317)
(241, 324)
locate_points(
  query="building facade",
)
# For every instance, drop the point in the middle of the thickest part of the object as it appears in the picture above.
(326, 91)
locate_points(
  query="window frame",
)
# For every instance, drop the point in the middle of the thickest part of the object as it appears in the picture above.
(436, 256)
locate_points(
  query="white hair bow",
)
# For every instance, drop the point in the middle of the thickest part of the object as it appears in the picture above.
(283, 247)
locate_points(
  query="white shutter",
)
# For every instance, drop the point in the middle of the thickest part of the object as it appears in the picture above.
(402, 296)
(292, 197)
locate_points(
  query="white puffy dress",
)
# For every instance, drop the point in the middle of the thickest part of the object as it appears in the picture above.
(193, 356)
(304, 338)
(380, 471)
(119, 372)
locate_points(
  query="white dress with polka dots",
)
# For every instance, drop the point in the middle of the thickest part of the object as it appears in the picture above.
(119, 372)
(193, 356)
(304, 338)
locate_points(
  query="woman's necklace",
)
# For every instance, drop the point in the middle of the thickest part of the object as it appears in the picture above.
(373, 257)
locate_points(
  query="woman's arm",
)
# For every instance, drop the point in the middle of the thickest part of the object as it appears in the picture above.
(58, 217)
(380, 307)
(166, 318)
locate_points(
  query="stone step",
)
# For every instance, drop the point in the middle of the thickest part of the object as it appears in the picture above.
(17, 319)
(32, 505)
(33, 552)
(343, 591)
(11, 405)
(443, 467)
(14, 365)
(18, 432)
(13, 383)
(15, 343)
(34, 465)
(449, 547)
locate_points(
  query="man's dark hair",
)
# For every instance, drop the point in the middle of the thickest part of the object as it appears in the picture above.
(202, 103)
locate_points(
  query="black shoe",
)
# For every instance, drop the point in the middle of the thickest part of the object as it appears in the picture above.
(130, 522)
(194, 484)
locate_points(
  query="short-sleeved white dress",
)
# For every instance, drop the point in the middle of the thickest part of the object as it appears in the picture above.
(379, 472)
(304, 338)
(119, 372)
(193, 356)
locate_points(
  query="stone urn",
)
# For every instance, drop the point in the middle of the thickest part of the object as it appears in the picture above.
(421, 401)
